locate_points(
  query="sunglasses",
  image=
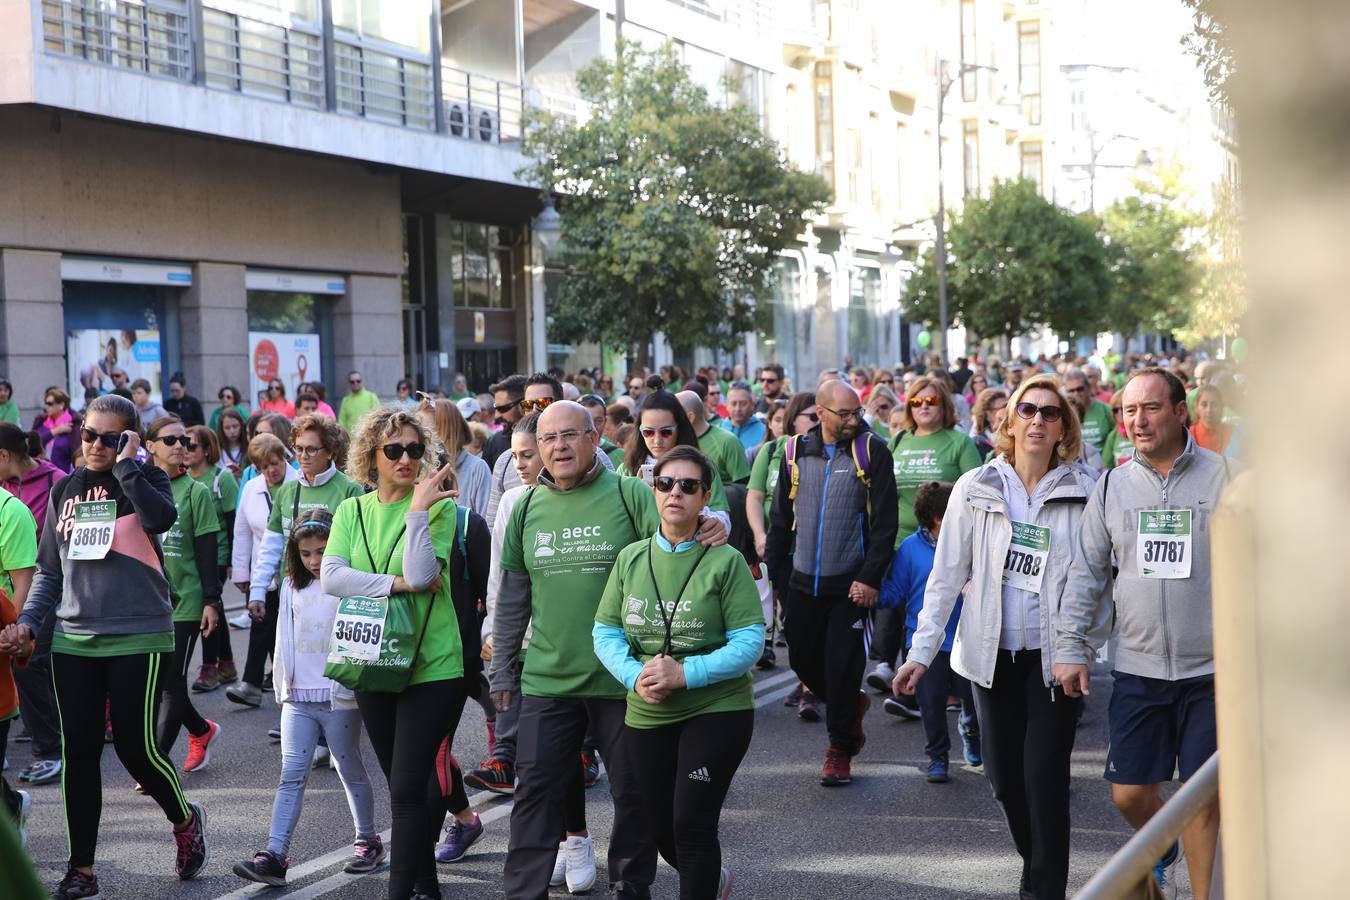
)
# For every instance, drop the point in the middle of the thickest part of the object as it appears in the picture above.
(916, 402)
(394, 452)
(504, 408)
(52, 402)
(183, 439)
(353, 380)
(107, 439)
(688, 486)
(532, 405)
(769, 380)
(665, 431)
(854, 413)
(813, 418)
(1048, 413)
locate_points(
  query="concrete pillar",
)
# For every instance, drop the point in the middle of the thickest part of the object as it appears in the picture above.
(214, 324)
(368, 335)
(32, 327)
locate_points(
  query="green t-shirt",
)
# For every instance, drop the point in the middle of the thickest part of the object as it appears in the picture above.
(9, 412)
(1098, 423)
(18, 540)
(727, 455)
(573, 538)
(720, 597)
(112, 644)
(1118, 449)
(354, 406)
(225, 492)
(442, 655)
(196, 517)
(764, 473)
(293, 498)
(613, 451)
(944, 455)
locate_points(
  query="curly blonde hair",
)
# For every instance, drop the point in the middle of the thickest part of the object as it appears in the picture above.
(1070, 444)
(387, 422)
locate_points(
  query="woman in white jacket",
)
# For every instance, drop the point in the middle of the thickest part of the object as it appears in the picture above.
(1011, 531)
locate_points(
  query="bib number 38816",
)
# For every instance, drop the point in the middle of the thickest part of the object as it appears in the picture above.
(358, 629)
(92, 536)
(1163, 545)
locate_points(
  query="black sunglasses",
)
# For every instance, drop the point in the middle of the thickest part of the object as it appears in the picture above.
(394, 452)
(109, 439)
(1048, 413)
(504, 408)
(688, 486)
(814, 418)
(183, 439)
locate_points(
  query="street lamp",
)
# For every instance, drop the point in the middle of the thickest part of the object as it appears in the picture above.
(945, 83)
(547, 231)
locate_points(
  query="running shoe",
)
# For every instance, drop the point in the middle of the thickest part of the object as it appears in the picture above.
(41, 771)
(904, 706)
(835, 772)
(242, 621)
(208, 679)
(77, 886)
(937, 770)
(366, 856)
(274, 734)
(879, 679)
(21, 816)
(807, 708)
(458, 839)
(267, 683)
(970, 744)
(559, 876)
(795, 698)
(493, 775)
(590, 767)
(265, 868)
(199, 748)
(244, 694)
(768, 659)
(226, 671)
(323, 757)
(193, 851)
(1165, 871)
(581, 873)
(724, 884)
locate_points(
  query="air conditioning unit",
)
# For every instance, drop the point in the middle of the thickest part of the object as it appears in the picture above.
(455, 118)
(487, 125)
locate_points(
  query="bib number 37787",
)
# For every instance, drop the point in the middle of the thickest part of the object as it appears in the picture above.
(1163, 544)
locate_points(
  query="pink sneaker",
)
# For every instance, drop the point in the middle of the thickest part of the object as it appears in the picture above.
(199, 748)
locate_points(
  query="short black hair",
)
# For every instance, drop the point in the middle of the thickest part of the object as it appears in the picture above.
(930, 502)
(699, 386)
(775, 368)
(512, 384)
(1176, 391)
(686, 453)
(545, 378)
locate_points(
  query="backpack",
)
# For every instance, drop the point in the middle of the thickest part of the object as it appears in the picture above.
(861, 452)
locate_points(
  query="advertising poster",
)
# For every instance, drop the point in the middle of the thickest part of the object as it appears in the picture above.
(97, 357)
(290, 358)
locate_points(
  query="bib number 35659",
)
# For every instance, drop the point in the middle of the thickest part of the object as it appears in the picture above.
(1163, 545)
(358, 628)
(92, 536)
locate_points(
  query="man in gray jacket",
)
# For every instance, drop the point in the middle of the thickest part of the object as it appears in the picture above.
(1153, 516)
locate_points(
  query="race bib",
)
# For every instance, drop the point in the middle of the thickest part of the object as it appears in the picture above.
(1024, 568)
(1163, 548)
(92, 536)
(358, 629)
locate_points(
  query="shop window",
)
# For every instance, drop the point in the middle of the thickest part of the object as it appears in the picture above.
(864, 315)
(776, 320)
(289, 338)
(117, 334)
(483, 266)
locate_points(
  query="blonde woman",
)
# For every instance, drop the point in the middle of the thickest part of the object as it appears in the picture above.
(475, 478)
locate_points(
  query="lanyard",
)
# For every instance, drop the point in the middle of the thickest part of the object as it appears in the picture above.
(364, 540)
(669, 620)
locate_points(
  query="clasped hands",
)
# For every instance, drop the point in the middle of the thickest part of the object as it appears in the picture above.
(661, 676)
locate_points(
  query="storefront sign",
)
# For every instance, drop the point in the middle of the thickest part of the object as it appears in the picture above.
(95, 355)
(294, 282)
(125, 271)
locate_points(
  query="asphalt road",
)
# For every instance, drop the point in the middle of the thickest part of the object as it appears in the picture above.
(888, 835)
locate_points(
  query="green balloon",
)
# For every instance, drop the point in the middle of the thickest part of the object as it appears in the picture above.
(925, 339)
(1238, 349)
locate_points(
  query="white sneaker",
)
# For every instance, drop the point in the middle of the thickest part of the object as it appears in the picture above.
(580, 864)
(879, 679)
(25, 805)
(241, 621)
(559, 867)
(322, 757)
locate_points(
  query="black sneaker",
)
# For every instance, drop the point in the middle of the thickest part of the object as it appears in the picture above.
(193, 851)
(768, 659)
(495, 775)
(77, 886)
(265, 868)
(905, 706)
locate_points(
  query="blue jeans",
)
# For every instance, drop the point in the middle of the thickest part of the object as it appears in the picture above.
(937, 684)
(301, 726)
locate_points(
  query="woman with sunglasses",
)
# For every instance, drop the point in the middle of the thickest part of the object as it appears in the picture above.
(229, 398)
(663, 425)
(986, 416)
(403, 395)
(59, 428)
(191, 551)
(101, 569)
(1011, 531)
(408, 511)
(276, 401)
(679, 625)
(975, 385)
(880, 403)
(927, 448)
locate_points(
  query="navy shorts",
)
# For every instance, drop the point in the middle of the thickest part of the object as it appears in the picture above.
(1159, 727)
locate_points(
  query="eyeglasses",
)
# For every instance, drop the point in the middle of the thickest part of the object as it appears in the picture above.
(353, 380)
(307, 452)
(108, 439)
(854, 413)
(916, 402)
(532, 405)
(665, 431)
(1048, 413)
(887, 381)
(688, 486)
(814, 418)
(571, 436)
(768, 380)
(504, 408)
(394, 452)
(183, 439)
(1081, 389)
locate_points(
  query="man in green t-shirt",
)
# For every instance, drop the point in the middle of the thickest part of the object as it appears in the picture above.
(357, 403)
(719, 445)
(1098, 423)
(596, 406)
(560, 545)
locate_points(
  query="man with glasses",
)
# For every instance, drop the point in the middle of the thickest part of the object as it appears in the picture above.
(743, 423)
(831, 538)
(714, 410)
(1098, 423)
(560, 545)
(719, 445)
(506, 397)
(772, 387)
(357, 403)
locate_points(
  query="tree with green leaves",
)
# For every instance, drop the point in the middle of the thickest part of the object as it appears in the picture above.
(1208, 43)
(1016, 263)
(1219, 298)
(674, 208)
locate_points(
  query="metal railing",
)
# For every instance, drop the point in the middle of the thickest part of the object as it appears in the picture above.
(1125, 874)
(385, 86)
(479, 108)
(262, 59)
(126, 34)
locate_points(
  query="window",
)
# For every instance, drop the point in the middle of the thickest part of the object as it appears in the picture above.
(825, 123)
(1029, 70)
(969, 85)
(1030, 152)
(970, 157)
(482, 266)
(864, 314)
(776, 319)
(1078, 110)
(401, 22)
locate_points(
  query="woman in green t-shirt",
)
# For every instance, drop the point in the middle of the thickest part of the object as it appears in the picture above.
(392, 542)
(679, 625)
(191, 552)
(203, 465)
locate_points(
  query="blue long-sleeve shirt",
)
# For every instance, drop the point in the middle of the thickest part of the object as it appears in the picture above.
(743, 647)
(751, 434)
(904, 585)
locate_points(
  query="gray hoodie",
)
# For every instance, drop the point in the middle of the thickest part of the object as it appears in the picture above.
(1163, 627)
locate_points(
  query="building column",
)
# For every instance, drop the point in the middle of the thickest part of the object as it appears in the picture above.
(214, 332)
(32, 327)
(368, 334)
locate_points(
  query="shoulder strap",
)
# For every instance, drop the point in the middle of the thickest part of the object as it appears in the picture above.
(524, 511)
(790, 453)
(632, 523)
(862, 457)
(461, 526)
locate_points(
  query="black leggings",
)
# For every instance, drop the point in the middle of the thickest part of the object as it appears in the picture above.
(128, 688)
(178, 709)
(216, 648)
(406, 730)
(684, 771)
(262, 638)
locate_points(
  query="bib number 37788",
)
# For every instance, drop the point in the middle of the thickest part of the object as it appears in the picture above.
(1163, 544)
(1028, 551)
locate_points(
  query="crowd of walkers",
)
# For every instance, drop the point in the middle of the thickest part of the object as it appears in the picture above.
(599, 571)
